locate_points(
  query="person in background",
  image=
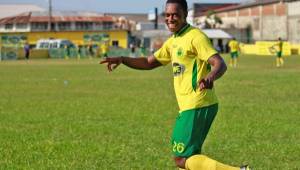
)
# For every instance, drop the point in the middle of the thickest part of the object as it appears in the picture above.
(234, 52)
(91, 51)
(279, 59)
(27, 50)
(104, 49)
(143, 50)
(132, 50)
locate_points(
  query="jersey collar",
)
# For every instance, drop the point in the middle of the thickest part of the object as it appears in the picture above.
(182, 30)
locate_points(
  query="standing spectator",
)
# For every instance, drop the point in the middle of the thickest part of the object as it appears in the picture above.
(27, 50)
(65, 52)
(143, 50)
(132, 50)
(91, 51)
(79, 51)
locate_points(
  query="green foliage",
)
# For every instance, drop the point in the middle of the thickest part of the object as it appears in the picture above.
(72, 114)
(210, 13)
(212, 20)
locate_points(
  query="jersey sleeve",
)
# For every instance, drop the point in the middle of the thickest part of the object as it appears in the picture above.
(230, 44)
(203, 47)
(163, 54)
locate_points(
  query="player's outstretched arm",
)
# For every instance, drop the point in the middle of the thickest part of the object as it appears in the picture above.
(136, 63)
(218, 69)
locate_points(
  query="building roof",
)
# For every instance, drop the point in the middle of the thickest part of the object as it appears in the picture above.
(135, 17)
(216, 33)
(57, 16)
(251, 4)
(201, 9)
(7, 10)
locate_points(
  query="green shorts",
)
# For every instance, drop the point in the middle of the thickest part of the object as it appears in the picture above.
(191, 129)
(234, 54)
(279, 54)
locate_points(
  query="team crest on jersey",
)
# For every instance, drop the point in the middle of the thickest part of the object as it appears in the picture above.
(180, 52)
(178, 69)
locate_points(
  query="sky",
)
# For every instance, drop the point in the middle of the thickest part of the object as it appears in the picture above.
(108, 6)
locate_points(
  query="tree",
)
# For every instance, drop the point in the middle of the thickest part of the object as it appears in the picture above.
(212, 21)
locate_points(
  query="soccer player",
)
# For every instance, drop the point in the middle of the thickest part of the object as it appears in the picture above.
(279, 59)
(234, 51)
(196, 65)
(104, 49)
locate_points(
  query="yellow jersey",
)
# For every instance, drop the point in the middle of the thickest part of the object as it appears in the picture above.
(233, 45)
(280, 45)
(104, 48)
(189, 50)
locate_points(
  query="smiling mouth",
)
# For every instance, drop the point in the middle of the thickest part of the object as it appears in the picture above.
(171, 23)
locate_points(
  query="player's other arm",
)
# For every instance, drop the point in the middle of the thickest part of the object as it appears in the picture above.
(218, 69)
(136, 63)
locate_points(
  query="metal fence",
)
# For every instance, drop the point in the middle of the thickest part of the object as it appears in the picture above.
(17, 52)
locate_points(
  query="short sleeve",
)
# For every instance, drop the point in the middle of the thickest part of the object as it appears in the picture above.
(203, 46)
(163, 54)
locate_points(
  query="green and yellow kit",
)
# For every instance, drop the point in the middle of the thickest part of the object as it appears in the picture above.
(189, 50)
(234, 48)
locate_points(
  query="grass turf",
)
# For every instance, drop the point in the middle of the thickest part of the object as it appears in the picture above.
(69, 114)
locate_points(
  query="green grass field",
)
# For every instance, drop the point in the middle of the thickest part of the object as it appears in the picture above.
(69, 114)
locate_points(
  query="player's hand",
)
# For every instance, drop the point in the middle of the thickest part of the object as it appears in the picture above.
(206, 83)
(112, 62)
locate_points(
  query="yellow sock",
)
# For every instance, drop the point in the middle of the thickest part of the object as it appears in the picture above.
(277, 62)
(234, 62)
(281, 61)
(201, 162)
(231, 63)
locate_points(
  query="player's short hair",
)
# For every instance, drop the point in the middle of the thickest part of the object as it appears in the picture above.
(182, 3)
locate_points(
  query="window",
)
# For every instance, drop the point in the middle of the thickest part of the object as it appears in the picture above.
(44, 45)
(64, 26)
(107, 25)
(98, 26)
(53, 26)
(22, 26)
(54, 45)
(115, 43)
(8, 26)
(39, 26)
(84, 25)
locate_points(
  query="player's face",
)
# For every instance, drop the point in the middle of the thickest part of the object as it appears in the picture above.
(174, 17)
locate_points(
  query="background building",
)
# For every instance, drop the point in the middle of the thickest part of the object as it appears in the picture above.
(143, 33)
(262, 20)
(197, 14)
(65, 25)
(140, 21)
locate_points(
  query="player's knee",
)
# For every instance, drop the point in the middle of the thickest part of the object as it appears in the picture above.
(180, 162)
